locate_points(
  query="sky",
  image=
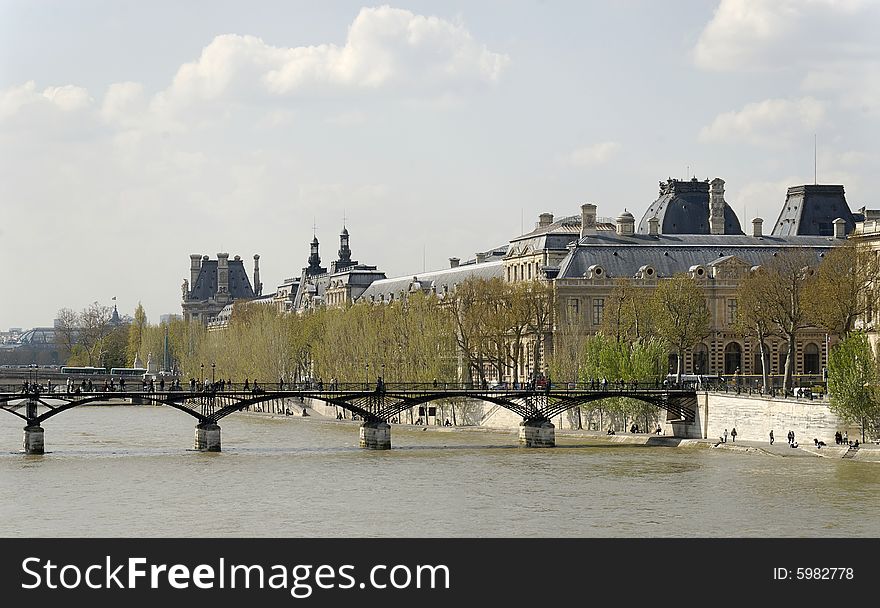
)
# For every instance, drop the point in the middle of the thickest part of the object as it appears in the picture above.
(133, 134)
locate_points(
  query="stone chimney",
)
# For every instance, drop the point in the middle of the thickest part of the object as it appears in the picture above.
(588, 219)
(258, 287)
(482, 257)
(222, 273)
(195, 265)
(654, 226)
(716, 206)
(626, 223)
(453, 262)
(839, 228)
(757, 225)
(544, 220)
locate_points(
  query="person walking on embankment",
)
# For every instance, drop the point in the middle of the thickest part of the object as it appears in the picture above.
(771, 436)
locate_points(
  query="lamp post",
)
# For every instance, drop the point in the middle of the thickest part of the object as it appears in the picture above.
(202, 375)
(366, 376)
(383, 374)
(213, 365)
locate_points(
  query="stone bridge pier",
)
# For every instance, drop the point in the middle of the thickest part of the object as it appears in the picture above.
(537, 434)
(375, 435)
(33, 439)
(207, 437)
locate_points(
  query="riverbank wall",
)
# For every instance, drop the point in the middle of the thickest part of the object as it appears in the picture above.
(752, 416)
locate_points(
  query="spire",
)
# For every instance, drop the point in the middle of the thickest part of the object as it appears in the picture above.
(315, 260)
(344, 250)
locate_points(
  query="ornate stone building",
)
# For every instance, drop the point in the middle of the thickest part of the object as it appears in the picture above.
(690, 229)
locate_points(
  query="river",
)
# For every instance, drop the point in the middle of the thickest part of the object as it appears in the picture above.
(127, 471)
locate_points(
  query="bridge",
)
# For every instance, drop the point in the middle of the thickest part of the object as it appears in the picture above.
(376, 406)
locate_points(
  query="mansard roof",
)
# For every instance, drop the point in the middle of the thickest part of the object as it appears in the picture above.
(206, 283)
(437, 281)
(812, 209)
(669, 254)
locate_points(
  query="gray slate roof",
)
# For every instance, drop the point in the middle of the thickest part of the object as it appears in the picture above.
(441, 281)
(812, 209)
(206, 283)
(669, 254)
(683, 208)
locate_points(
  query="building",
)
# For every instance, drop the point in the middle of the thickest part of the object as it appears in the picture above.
(690, 228)
(213, 284)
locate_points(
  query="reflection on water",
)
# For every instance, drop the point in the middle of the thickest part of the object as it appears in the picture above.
(128, 471)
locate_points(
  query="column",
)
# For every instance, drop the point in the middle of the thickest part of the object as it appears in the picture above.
(207, 437)
(375, 435)
(537, 434)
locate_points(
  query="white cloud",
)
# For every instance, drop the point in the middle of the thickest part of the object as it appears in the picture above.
(385, 48)
(596, 154)
(67, 98)
(772, 122)
(778, 34)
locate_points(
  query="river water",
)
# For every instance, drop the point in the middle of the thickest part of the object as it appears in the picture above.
(128, 471)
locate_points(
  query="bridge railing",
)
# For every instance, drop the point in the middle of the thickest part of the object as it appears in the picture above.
(294, 388)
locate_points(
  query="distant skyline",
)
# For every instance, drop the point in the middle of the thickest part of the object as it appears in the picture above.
(134, 134)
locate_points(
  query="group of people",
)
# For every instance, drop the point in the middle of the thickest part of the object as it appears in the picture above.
(732, 435)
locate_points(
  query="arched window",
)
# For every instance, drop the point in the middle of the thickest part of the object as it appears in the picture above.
(733, 358)
(701, 359)
(811, 359)
(783, 356)
(673, 363)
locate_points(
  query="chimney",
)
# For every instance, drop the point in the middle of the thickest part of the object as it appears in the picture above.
(839, 228)
(222, 273)
(716, 206)
(258, 287)
(195, 265)
(453, 262)
(626, 223)
(757, 223)
(588, 219)
(544, 220)
(654, 226)
(482, 257)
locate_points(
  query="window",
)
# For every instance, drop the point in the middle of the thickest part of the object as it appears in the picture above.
(701, 359)
(731, 311)
(733, 358)
(530, 272)
(598, 309)
(757, 365)
(573, 307)
(811, 359)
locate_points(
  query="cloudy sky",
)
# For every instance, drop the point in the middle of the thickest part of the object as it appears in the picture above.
(133, 133)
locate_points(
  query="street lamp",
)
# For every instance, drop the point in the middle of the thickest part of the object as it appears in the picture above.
(213, 365)
(383, 373)
(202, 374)
(367, 374)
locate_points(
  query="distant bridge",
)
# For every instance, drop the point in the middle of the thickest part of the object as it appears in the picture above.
(376, 406)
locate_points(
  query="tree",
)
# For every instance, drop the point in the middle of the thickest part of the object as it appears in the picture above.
(136, 333)
(753, 316)
(852, 382)
(843, 289)
(786, 281)
(681, 315)
(628, 314)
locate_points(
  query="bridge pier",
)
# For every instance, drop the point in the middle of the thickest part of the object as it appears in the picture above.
(207, 437)
(375, 435)
(33, 439)
(537, 434)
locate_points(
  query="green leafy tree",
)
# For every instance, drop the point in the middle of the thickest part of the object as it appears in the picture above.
(844, 289)
(852, 382)
(136, 333)
(681, 315)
